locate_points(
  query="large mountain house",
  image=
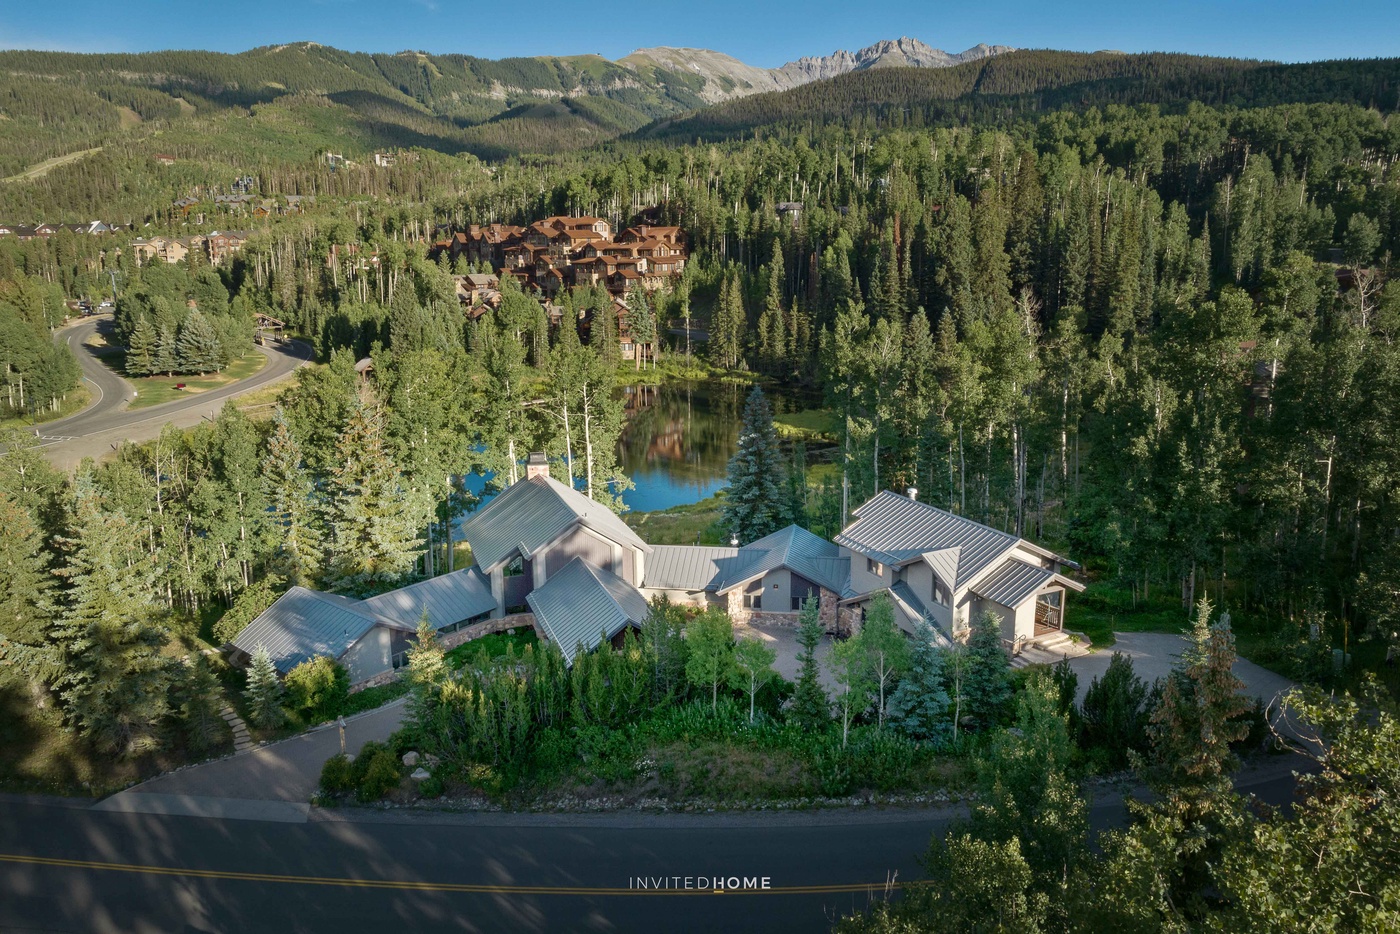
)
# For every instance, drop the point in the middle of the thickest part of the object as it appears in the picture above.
(548, 556)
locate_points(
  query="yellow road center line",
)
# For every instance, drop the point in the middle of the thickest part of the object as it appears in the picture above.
(449, 887)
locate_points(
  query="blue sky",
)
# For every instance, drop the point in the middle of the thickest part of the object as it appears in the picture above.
(758, 32)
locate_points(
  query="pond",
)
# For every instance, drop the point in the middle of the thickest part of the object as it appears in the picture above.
(679, 436)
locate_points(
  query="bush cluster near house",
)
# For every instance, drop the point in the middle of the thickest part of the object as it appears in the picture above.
(684, 710)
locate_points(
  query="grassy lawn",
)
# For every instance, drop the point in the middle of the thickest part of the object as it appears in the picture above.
(76, 400)
(809, 424)
(154, 390)
(493, 646)
(690, 524)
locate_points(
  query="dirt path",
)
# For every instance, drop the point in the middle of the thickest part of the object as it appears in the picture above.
(42, 168)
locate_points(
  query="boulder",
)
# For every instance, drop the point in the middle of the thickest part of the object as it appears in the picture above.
(419, 775)
(410, 759)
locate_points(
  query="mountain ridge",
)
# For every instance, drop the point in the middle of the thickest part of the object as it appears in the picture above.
(728, 77)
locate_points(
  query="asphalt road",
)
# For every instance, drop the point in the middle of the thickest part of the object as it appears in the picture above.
(66, 867)
(107, 422)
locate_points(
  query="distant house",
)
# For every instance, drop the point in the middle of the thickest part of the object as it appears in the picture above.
(164, 159)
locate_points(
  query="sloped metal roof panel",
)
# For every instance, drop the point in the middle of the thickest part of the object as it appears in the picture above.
(303, 624)
(796, 549)
(686, 567)
(534, 512)
(898, 528)
(1013, 583)
(581, 604)
(449, 598)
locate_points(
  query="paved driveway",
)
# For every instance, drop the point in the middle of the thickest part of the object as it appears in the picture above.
(1153, 655)
(287, 772)
(783, 640)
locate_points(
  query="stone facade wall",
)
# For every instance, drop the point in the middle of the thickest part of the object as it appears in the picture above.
(384, 677)
(489, 627)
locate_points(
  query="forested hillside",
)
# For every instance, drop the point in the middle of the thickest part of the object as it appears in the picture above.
(1021, 84)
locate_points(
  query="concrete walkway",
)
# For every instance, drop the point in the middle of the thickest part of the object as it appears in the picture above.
(783, 640)
(241, 785)
(242, 742)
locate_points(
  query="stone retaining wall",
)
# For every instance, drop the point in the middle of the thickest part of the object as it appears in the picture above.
(488, 627)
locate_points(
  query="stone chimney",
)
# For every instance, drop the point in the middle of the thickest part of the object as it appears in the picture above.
(536, 465)
(913, 493)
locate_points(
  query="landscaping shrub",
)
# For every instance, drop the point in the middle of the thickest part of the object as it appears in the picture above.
(881, 760)
(338, 775)
(1114, 714)
(432, 787)
(317, 688)
(381, 776)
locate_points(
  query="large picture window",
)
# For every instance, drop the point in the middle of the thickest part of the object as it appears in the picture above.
(514, 567)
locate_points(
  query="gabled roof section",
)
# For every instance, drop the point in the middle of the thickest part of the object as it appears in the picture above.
(1013, 583)
(450, 598)
(531, 513)
(793, 548)
(895, 529)
(303, 624)
(581, 604)
(944, 562)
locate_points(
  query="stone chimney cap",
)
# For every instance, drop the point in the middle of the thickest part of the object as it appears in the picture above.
(537, 459)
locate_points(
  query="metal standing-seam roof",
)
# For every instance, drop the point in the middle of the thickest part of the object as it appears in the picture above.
(534, 512)
(1013, 583)
(581, 604)
(895, 529)
(700, 567)
(687, 567)
(449, 598)
(303, 624)
(799, 551)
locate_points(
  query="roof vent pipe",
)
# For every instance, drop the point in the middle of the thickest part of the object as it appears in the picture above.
(913, 492)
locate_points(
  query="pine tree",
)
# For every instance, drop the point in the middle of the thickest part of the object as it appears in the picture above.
(374, 522)
(810, 710)
(115, 681)
(165, 359)
(772, 331)
(919, 707)
(141, 349)
(197, 348)
(264, 691)
(641, 320)
(987, 679)
(756, 499)
(290, 494)
(201, 701)
(26, 595)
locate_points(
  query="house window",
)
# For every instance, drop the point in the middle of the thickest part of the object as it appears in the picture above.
(400, 660)
(514, 567)
(874, 567)
(940, 595)
(753, 601)
(797, 603)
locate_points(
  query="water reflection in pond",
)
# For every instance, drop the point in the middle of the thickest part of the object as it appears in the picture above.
(679, 437)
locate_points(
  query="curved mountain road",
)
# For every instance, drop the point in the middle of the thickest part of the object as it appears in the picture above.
(108, 421)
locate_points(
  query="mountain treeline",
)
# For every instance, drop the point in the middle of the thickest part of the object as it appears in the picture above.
(1019, 85)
